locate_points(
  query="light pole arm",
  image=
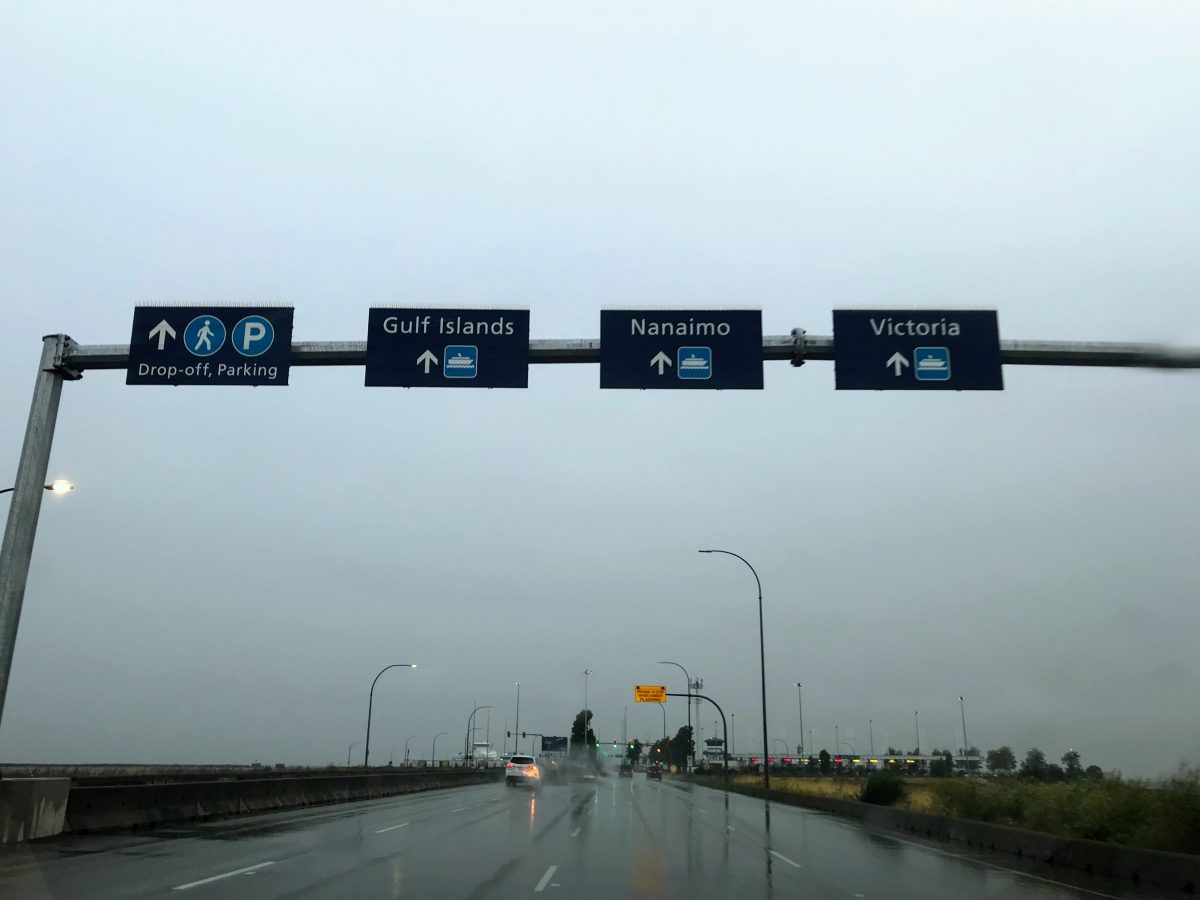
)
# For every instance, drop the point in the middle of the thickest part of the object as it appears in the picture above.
(371, 706)
(748, 566)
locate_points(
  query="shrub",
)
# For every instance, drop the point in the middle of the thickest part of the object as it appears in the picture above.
(883, 789)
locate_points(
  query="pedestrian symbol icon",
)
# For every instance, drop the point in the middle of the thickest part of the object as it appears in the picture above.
(204, 335)
(694, 362)
(461, 361)
(253, 336)
(932, 363)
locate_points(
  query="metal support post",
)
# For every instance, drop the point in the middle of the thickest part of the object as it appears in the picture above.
(28, 490)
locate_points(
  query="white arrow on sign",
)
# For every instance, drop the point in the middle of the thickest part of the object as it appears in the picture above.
(898, 360)
(160, 331)
(661, 360)
(428, 359)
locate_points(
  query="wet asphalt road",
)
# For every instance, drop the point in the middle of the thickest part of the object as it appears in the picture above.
(615, 838)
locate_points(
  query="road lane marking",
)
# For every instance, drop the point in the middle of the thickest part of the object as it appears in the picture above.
(785, 859)
(575, 833)
(246, 871)
(731, 828)
(460, 809)
(393, 827)
(541, 885)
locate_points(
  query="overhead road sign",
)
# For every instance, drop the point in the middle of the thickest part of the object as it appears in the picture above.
(916, 350)
(681, 349)
(243, 345)
(650, 693)
(425, 347)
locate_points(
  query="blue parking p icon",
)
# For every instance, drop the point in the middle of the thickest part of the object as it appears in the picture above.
(253, 336)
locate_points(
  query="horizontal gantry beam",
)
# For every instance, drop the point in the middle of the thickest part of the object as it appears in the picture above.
(797, 348)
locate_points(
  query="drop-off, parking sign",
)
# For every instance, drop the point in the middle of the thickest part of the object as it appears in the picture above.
(681, 349)
(240, 345)
(916, 350)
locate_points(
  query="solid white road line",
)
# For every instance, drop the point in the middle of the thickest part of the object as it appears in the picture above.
(460, 809)
(246, 871)
(393, 827)
(575, 833)
(541, 885)
(786, 860)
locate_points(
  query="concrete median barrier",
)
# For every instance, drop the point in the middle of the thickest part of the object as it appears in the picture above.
(32, 808)
(105, 808)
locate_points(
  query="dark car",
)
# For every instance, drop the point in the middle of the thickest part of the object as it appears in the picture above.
(654, 772)
(626, 770)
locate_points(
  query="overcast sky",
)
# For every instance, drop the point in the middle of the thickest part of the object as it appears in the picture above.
(237, 563)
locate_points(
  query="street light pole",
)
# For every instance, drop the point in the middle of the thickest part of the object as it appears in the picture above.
(517, 727)
(468, 749)
(350, 750)
(686, 754)
(762, 654)
(371, 705)
(837, 742)
(871, 733)
(917, 726)
(587, 716)
(406, 743)
(433, 752)
(800, 699)
(17, 547)
(962, 708)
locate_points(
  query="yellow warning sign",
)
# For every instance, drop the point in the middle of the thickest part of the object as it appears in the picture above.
(650, 693)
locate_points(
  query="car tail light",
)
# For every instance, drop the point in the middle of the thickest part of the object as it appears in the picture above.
(510, 766)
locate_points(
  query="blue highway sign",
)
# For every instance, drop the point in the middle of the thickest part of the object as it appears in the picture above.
(916, 350)
(416, 347)
(681, 350)
(210, 345)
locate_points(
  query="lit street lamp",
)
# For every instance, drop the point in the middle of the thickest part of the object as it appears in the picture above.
(371, 704)
(61, 486)
(762, 654)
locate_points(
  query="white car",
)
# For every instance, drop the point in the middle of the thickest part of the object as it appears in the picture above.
(522, 770)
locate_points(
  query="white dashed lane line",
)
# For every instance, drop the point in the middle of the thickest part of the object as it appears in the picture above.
(248, 870)
(541, 885)
(790, 862)
(393, 827)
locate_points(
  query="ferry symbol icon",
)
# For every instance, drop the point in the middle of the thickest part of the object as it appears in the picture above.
(932, 363)
(461, 361)
(694, 363)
